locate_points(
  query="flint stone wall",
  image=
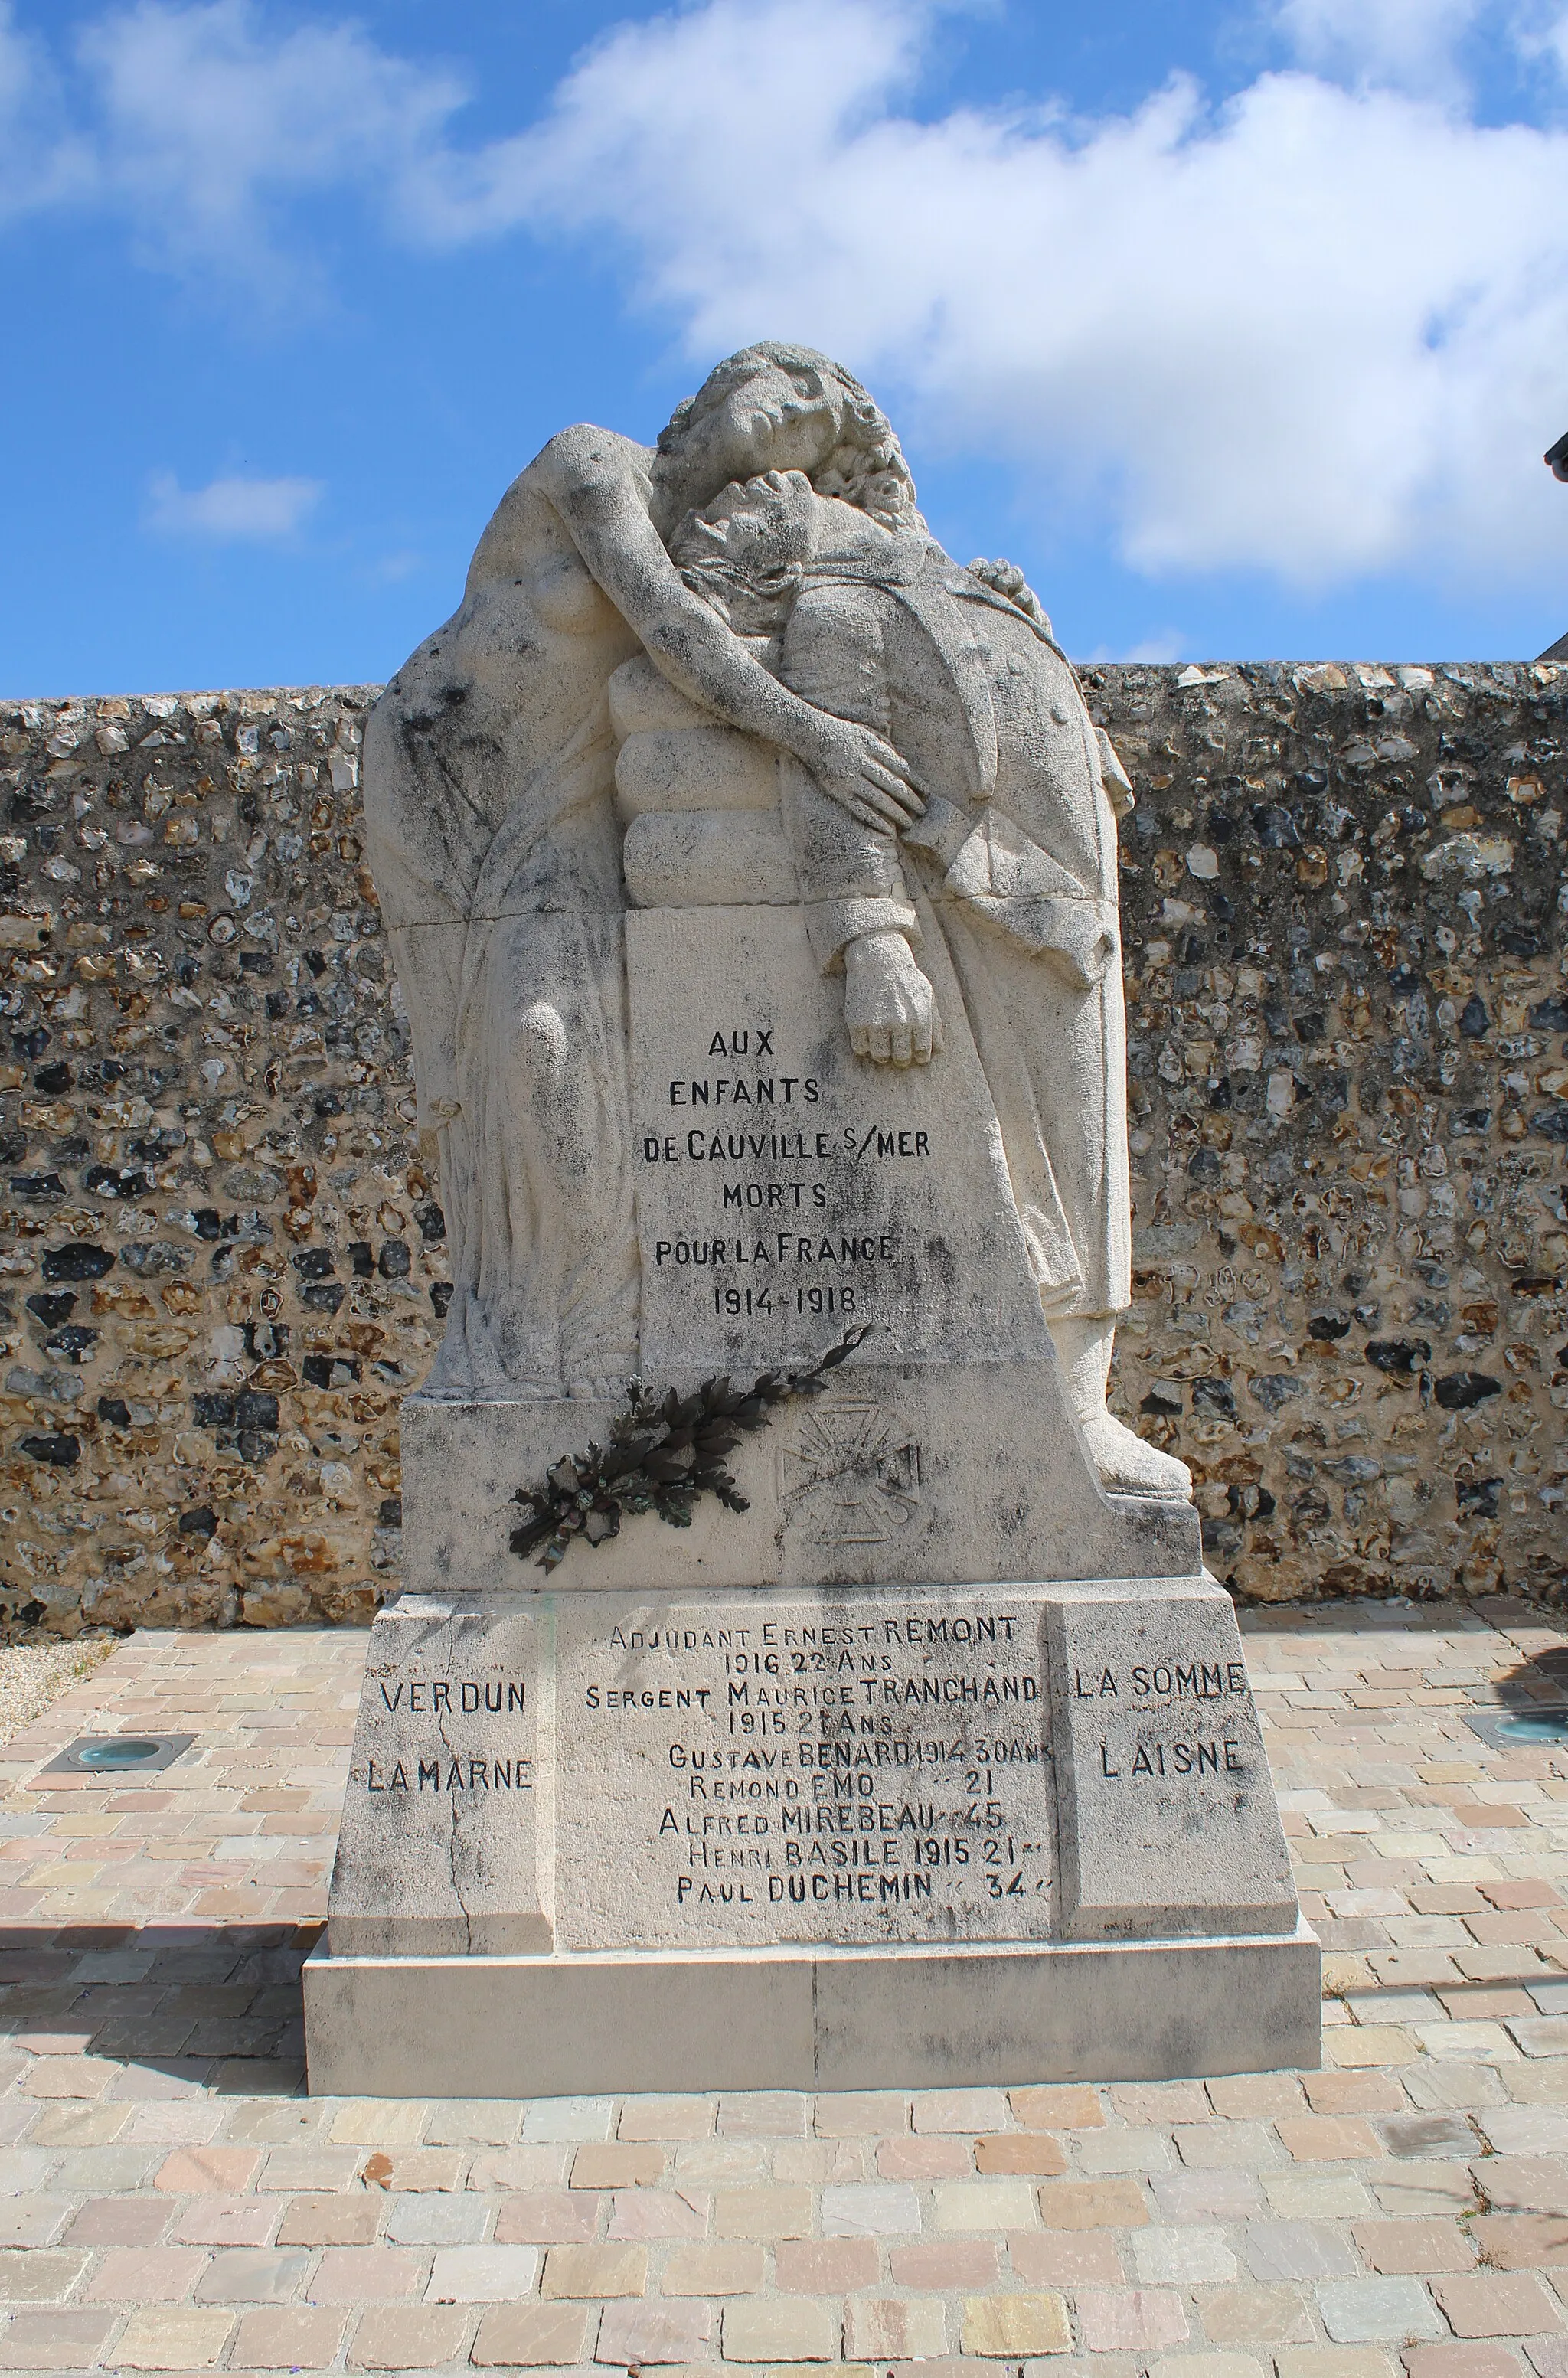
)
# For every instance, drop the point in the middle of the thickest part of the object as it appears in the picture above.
(221, 1257)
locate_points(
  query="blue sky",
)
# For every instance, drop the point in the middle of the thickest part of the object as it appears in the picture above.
(1241, 326)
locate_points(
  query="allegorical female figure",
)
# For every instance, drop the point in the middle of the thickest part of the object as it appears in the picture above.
(489, 801)
(816, 614)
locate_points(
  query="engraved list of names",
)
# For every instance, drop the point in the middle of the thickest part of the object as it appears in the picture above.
(869, 1768)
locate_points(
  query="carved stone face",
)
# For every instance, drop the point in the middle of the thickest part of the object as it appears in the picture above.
(743, 549)
(777, 420)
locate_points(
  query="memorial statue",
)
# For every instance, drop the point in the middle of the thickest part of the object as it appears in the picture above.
(601, 724)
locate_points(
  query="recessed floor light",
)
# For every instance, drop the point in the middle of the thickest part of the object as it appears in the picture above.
(114, 1755)
(1537, 1729)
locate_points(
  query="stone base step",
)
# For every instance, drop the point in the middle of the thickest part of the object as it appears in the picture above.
(896, 2018)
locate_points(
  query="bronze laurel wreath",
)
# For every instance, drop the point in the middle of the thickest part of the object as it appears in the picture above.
(665, 1453)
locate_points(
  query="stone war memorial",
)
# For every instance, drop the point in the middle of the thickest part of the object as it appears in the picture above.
(750, 872)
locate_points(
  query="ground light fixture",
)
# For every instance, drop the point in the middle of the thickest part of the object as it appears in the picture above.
(119, 1754)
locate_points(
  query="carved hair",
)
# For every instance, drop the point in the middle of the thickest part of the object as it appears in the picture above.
(866, 467)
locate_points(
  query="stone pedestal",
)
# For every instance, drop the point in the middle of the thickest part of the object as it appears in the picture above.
(851, 1837)
(937, 1764)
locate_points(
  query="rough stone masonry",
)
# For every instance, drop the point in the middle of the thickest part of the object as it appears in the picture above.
(221, 1247)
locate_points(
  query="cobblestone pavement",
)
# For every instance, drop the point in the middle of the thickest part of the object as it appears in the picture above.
(174, 2202)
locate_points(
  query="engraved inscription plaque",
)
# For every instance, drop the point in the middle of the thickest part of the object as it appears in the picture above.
(787, 1191)
(1170, 1822)
(864, 1768)
(440, 1849)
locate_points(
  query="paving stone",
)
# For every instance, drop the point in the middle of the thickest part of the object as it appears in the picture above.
(762, 2212)
(488, 2274)
(328, 2221)
(1032, 2153)
(1498, 2303)
(1297, 2250)
(291, 2338)
(1391, 2247)
(1545, 2035)
(378, 2122)
(40, 2220)
(1422, 2137)
(224, 2221)
(246, 2276)
(791, 2328)
(1260, 2097)
(960, 2109)
(561, 2119)
(1327, 2138)
(714, 2271)
(645, 2214)
(615, 2164)
(1526, 2130)
(145, 2274)
(1417, 2187)
(1218, 2194)
(636, 2334)
(1373, 2311)
(1335, 2362)
(524, 2335)
(820, 2266)
(982, 2204)
(1462, 2360)
(1004, 2326)
(1522, 2242)
(1063, 2107)
(1201, 2364)
(1257, 2315)
(1203, 2146)
(1092, 2204)
(1188, 2257)
(171, 2338)
(55, 2340)
(1524, 2183)
(1130, 2319)
(407, 2337)
(473, 2121)
(1350, 2093)
(438, 2220)
(947, 2263)
(762, 2114)
(938, 2159)
(598, 2271)
(855, 2114)
(365, 2274)
(883, 2328)
(536, 2166)
(546, 2216)
(1451, 2087)
(874, 2210)
(1139, 2149)
(38, 2275)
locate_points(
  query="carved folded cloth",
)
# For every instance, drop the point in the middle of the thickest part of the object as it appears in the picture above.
(1010, 883)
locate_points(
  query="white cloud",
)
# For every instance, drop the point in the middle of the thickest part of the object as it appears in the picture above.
(41, 164)
(1317, 333)
(1408, 44)
(231, 511)
(210, 125)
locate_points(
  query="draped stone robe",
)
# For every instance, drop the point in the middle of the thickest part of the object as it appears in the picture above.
(1014, 863)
